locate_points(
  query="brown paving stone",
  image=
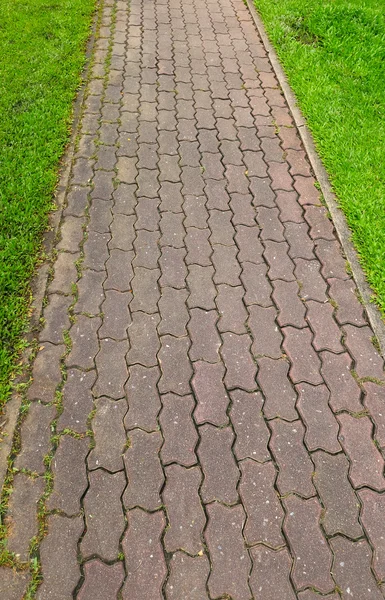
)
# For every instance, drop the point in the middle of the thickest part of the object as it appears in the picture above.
(109, 435)
(101, 582)
(251, 432)
(271, 226)
(95, 251)
(270, 577)
(173, 310)
(321, 425)
(21, 519)
(375, 402)
(210, 392)
(85, 345)
(351, 570)
(77, 400)
(145, 564)
(345, 392)
(116, 315)
(312, 557)
(58, 555)
(103, 514)
(290, 209)
(90, 292)
(180, 435)
(366, 462)
(233, 315)
(217, 196)
(46, 374)
(198, 247)
(310, 595)
(250, 247)
(173, 232)
(291, 309)
(205, 340)
(145, 290)
(341, 504)
(146, 249)
(263, 509)
(144, 472)
(313, 287)
(349, 309)
(124, 199)
(111, 368)
(327, 335)
(142, 397)
(280, 396)
(267, 338)
(35, 437)
(65, 273)
(368, 362)
(147, 213)
(295, 466)
(262, 193)
(305, 363)
(188, 576)
(56, 318)
(230, 563)
(308, 193)
(227, 268)
(173, 267)
(175, 365)
(218, 464)
(143, 338)
(257, 286)
(372, 517)
(69, 475)
(240, 367)
(13, 584)
(222, 230)
(320, 225)
(243, 210)
(300, 244)
(280, 264)
(184, 509)
(330, 256)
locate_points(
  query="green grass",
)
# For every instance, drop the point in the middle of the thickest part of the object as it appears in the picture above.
(42, 51)
(333, 52)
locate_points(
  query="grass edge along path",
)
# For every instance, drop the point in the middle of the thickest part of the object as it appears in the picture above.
(42, 53)
(333, 55)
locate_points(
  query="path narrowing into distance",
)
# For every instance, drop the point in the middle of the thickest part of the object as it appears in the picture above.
(206, 416)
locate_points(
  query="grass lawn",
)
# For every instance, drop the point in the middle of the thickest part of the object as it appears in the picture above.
(333, 52)
(42, 45)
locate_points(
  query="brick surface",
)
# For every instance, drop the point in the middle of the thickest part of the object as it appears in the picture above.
(312, 557)
(270, 577)
(184, 509)
(366, 462)
(145, 564)
(109, 435)
(58, 555)
(101, 582)
(13, 584)
(69, 475)
(263, 509)
(351, 569)
(22, 514)
(337, 495)
(295, 466)
(218, 464)
(230, 563)
(219, 352)
(320, 423)
(188, 577)
(251, 432)
(180, 436)
(103, 515)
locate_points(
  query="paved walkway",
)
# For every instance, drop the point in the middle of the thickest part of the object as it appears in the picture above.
(218, 361)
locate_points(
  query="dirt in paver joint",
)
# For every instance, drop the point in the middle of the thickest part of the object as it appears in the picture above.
(220, 419)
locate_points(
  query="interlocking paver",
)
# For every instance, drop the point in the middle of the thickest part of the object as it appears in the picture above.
(312, 557)
(144, 472)
(270, 577)
(295, 466)
(214, 303)
(104, 517)
(14, 583)
(230, 563)
(351, 569)
(180, 435)
(184, 509)
(220, 471)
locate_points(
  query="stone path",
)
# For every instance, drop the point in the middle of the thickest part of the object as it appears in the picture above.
(206, 419)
